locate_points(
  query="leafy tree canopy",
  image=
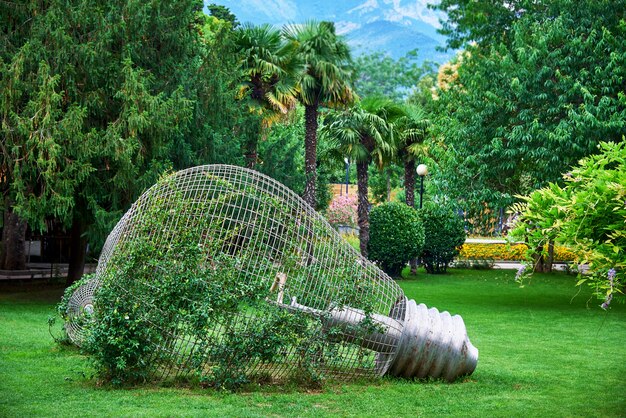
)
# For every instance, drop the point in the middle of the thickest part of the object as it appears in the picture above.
(485, 23)
(223, 13)
(91, 101)
(378, 74)
(519, 113)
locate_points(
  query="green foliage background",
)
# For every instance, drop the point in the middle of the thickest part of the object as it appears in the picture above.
(98, 100)
(537, 91)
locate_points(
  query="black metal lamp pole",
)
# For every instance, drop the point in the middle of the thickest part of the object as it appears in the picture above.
(421, 170)
(421, 190)
(347, 161)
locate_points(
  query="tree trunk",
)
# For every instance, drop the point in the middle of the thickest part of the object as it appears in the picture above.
(544, 264)
(13, 255)
(310, 153)
(251, 151)
(538, 264)
(409, 182)
(547, 267)
(78, 250)
(363, 206)
(251, 155)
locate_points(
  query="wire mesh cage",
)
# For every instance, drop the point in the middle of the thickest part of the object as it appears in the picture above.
(219, 268)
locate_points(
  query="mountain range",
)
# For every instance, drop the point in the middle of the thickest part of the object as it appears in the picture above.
(394, 27)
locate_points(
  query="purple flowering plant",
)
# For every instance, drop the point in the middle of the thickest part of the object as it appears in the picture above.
(611, 288)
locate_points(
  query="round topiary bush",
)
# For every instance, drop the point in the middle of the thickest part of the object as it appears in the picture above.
(396, 236)
(445, 234)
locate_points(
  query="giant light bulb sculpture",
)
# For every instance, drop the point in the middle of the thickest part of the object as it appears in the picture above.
(215, 259)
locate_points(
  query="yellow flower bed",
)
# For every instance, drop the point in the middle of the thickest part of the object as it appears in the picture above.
(507, 252)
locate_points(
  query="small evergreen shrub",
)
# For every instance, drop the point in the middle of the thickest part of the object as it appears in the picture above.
(445, 234)
(396, 236)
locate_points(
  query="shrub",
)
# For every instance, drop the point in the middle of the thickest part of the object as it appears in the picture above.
(445, 233)
(587, 213)
(507, 252)
(342, 211)
(396, 236)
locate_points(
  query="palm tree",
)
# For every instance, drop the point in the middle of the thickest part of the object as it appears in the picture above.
(270, 69)
(365, 133)
(413, 129)
(324, 82)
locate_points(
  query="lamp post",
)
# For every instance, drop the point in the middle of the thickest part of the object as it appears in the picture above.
(422, 171)
(347, 161)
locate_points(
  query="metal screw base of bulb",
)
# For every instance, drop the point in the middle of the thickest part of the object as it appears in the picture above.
(433, 344)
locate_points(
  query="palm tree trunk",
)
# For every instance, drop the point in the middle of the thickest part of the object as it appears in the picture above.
(254, 134)
(409, 182)
(363, 206)
(310, 153)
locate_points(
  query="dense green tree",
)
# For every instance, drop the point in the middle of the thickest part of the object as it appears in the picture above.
(270, 69)
(281, 154)
(85, 105)
(223, 13)
(97, 100)
(397, 236)
(325, 81)
(382, 182)
(365, 133)
(221, 126)
(483, 22)
(521, 112)
(445, 234)
(378, 74)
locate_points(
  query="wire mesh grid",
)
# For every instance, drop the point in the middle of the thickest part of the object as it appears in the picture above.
(260, 258)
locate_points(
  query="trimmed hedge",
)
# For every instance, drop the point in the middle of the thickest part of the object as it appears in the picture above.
(445, 233)
(396, 236)
(507, 252)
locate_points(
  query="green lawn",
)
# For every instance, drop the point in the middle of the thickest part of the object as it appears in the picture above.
(545, 350)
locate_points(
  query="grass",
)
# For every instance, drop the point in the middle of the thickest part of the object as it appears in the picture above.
(545, 350)
(353, 240)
